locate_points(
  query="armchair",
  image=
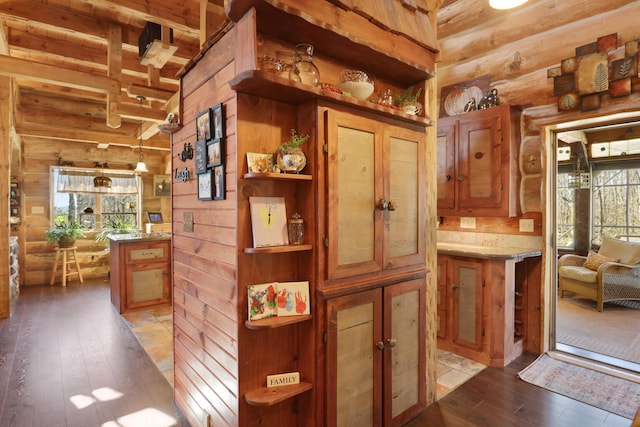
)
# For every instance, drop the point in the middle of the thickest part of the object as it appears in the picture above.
(614, 276)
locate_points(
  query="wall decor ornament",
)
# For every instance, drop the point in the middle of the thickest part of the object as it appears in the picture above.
(598, 68)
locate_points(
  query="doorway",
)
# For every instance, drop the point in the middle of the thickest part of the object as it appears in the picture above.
(597, 196)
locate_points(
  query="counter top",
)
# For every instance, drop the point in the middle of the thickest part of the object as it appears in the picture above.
(139, 237)
(486, 252)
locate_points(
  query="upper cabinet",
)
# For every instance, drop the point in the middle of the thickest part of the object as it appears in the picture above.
(477, 163)
(375, 181)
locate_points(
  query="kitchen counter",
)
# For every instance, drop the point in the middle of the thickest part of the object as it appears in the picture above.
(139, 237)
(486, 252)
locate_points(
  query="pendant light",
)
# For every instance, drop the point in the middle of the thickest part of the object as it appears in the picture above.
(102, 181)
(506, 4)
(140, 167)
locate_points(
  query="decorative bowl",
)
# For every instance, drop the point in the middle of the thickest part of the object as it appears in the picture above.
(356, 83)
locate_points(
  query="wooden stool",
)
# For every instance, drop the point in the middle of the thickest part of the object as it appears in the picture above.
(69, 257)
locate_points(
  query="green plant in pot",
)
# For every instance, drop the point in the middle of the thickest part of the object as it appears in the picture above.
(290, 156)
(408, 102)
(64, 233)
(115, 225)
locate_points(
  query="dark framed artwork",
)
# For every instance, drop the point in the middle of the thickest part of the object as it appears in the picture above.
(205, 186)
(203, 125)
(215, 151)
(218, 122)
(201, 156)
(218, 183)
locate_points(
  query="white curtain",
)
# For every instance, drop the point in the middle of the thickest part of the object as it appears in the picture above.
(77, 181)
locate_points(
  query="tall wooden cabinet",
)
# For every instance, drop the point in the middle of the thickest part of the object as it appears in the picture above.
(362, 196)
(477, 163)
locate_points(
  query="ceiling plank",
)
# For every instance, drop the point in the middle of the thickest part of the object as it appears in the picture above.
(4, 44)
(15, 67)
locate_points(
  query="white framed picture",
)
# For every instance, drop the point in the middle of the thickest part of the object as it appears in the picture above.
(268, 221)
(293, 299)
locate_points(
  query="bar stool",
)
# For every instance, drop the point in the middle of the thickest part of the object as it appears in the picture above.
(69, 258)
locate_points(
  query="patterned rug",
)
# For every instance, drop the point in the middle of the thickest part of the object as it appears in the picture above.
(594, 388)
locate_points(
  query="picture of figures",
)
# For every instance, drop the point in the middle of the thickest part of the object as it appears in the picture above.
(218, 178)
(214, 153)
(218, 122)
(203, 126)
(204, 186)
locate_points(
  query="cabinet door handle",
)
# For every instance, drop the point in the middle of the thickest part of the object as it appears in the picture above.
(382, 204)
(391, 206)
(380, 345)
(460, 177)
(391, 342)
(448, 178)
(454, 287)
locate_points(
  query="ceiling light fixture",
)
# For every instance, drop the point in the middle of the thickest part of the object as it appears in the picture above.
(140, 167)
(506, 4)
(101, 180)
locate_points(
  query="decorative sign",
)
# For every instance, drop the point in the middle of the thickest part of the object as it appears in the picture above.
(201, 157)
(182, 175)
(278, 380)
(187, 152)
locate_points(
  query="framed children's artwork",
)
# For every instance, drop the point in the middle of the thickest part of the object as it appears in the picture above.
(161, 185)
(268, 221)
(218, 181)
(203, 125)
(261, 300)
(214, 152)
(205, 187)
(259, 162)
(293, 298)
(201, 156)
(218, 122)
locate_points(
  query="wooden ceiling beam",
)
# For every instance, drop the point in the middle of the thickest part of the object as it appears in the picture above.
(150, 93)
(20, 68)
(114, 63)
(4, 43)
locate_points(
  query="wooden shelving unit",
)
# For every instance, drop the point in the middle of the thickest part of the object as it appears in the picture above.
(275, 322)
(268, 396)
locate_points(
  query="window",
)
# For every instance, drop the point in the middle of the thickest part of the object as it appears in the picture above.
(615, 200)
(566, 197)
(75, 198)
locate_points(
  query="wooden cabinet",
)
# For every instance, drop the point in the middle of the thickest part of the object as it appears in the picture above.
(375, 352)
(488, 310)
(140, 273)
(375, 182)
(460, 304)
(477, 163)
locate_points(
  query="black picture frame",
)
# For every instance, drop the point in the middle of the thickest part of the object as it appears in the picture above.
(203, 125)
(205, 185)
(154, 217)
(201, 157)
(218, 183)
(215, 152)
(217, 126)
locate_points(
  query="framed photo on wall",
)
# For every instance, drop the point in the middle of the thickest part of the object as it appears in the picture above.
(203, 125)
(215, 152)
(205, 187)
(218, 183)
(161, 185)
(218, 122)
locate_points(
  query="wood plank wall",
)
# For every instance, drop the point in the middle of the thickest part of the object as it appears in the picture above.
(5, 147)
(205, 260)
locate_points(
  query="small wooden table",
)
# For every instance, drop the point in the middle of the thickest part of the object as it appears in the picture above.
(69, 258)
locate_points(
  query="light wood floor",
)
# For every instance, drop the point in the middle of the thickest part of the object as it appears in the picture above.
(67, 358)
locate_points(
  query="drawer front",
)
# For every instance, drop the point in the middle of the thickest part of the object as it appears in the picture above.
(156, 252)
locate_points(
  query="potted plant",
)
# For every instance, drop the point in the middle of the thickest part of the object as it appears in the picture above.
(408, 102)
(290, 156)
(114, 225)
(64, 233)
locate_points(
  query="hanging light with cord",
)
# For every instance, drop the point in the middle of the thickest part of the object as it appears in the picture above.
(140, 167)
(101, 180)
(506, 4)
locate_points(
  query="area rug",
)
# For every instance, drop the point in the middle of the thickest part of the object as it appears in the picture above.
(606, 392)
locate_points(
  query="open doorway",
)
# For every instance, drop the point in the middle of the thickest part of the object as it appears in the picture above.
(597, 195)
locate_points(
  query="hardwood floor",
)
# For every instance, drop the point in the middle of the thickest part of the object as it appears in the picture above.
(68, 359)
(497, 398)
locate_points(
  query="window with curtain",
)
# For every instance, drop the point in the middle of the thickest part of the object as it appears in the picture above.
(74, 197)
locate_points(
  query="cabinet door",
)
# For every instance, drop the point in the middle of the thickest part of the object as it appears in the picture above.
(446, 174)
(404, 187)
(442, 297)
(355, 184)
(354, 360)
(467, 278)
(404, 355)
(147, 284)
(480, 162)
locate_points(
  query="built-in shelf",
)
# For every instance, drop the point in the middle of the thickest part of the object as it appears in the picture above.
(275, 322)
(278, 176)
(268, 396)
(268, 85)
(278, 249)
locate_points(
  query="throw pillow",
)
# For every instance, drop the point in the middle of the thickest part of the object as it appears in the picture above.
(595, 260)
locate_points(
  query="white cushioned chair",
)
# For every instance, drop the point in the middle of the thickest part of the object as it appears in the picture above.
(611, 275)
